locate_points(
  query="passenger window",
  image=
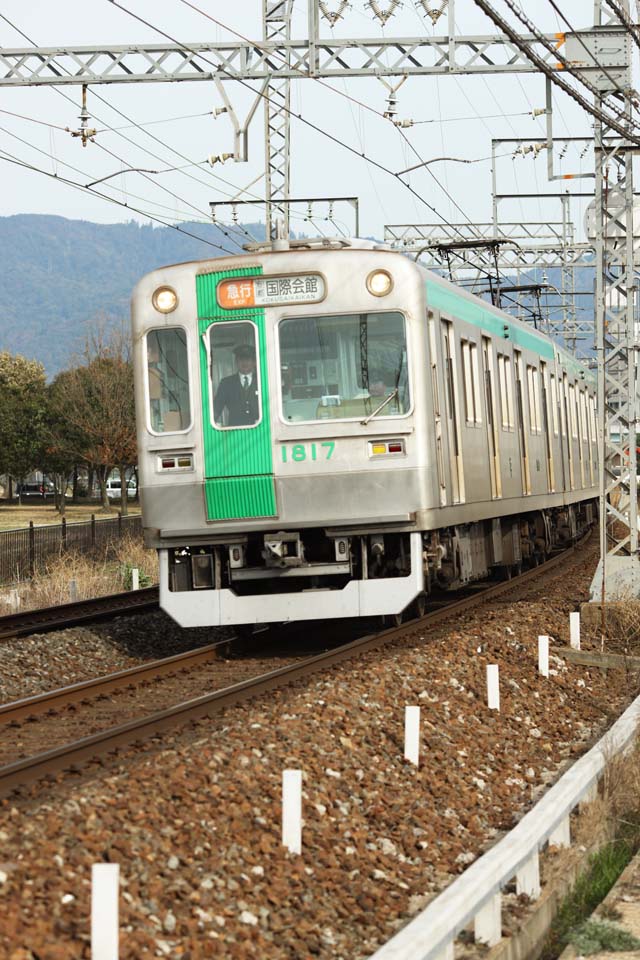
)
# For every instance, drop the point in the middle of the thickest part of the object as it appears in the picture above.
(572, 412)
(554, 404)
(471, 382)
(235, 377)
(506, 391)
(344, 367)
(583, 416)
(168, 380)
(592, 414)
(533, 388)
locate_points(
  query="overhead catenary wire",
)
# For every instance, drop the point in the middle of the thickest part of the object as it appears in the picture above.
(566, 65)
(10, 158)
(236, 191)
(133, 123)
(575, 95)
(83, 173)
(622, 15)
(298, 116)
(328, 86)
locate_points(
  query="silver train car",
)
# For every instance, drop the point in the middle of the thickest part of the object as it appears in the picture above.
(327, 429)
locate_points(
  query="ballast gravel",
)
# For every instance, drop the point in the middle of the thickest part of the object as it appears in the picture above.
(44, 661)
(194, 820)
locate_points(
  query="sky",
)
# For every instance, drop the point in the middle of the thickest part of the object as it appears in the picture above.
(454, 116)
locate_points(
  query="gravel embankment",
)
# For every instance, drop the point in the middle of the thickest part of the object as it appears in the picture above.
(194, 821)
(44, 661)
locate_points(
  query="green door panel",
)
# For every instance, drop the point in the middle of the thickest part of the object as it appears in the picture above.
(238, 463)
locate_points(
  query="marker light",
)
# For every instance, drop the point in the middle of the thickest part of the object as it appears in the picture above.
(379, 283)
(165, 299)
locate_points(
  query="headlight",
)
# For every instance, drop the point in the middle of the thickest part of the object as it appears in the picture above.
(379, 283)
(165, 299)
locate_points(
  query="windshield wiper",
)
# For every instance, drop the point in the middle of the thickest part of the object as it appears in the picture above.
(394, 393)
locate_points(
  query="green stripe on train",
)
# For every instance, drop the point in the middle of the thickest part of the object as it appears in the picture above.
(238, 463)
(450, 302)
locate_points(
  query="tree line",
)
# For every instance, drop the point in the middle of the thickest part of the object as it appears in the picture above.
(84, 417)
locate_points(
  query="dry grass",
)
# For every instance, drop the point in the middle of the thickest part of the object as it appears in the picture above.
(94, 576)
(12, 516)
(621, 628)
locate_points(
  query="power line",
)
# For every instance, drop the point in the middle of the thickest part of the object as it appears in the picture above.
(162, 187)
(522, 45)
(10, 158)
(630, 27)
(318, 80)
(134, 144)
(308, 123)
(562, 59)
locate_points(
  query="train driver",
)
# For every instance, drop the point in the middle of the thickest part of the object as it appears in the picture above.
(238, 393)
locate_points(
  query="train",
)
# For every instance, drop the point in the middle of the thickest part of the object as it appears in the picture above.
(326, 429)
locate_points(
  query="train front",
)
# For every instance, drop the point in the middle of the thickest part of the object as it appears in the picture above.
(281, 429)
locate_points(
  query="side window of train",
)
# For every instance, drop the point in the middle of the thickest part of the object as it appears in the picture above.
(592, 416)
(554, 404)
(235, 374)
(168, 380)
(533, 390)
(473, 410)
(573, 411)
(505, 378)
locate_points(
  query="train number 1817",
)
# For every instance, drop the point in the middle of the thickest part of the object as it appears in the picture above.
(307, 451)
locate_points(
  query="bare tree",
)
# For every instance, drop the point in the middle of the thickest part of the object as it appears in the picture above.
(96, 402)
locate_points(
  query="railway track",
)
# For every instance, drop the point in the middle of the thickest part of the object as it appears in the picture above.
(82, 611)
(24, 771)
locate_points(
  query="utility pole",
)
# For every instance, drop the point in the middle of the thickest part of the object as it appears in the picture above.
(618, 574)
(276, 25)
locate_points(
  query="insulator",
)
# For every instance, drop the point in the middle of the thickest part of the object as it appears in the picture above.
(333, 15)
(384, 15)
(433, 10)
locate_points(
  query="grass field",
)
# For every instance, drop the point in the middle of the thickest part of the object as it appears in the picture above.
(13, 516)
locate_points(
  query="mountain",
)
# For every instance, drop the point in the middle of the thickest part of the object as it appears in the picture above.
(59, 276)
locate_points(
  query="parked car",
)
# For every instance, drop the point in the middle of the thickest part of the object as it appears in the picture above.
(114, 488)
(37, 490)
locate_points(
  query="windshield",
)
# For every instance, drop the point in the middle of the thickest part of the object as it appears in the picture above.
(344, 367)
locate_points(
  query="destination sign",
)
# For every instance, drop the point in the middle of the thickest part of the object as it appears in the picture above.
(241, 292)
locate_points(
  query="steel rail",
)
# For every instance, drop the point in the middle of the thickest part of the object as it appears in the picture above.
(16, 710)
(69, 614)
(22, 772)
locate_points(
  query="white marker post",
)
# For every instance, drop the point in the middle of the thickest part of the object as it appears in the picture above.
(135, 578)
(292, 810)
(73, 590)
(574, 630)
(493, 686)
(412, 734)
(543, 655)
(104, 911)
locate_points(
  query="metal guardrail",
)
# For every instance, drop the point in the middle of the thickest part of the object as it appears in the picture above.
(22, 551)
(475, 895)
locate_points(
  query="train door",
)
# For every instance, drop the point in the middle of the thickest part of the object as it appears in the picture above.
(492, 426)
(566, 423)
(238, 460)
(437, 409)
(546, 426)
(522, 428)
(451, 407)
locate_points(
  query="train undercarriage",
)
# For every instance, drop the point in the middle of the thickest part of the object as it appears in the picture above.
(322, 573)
